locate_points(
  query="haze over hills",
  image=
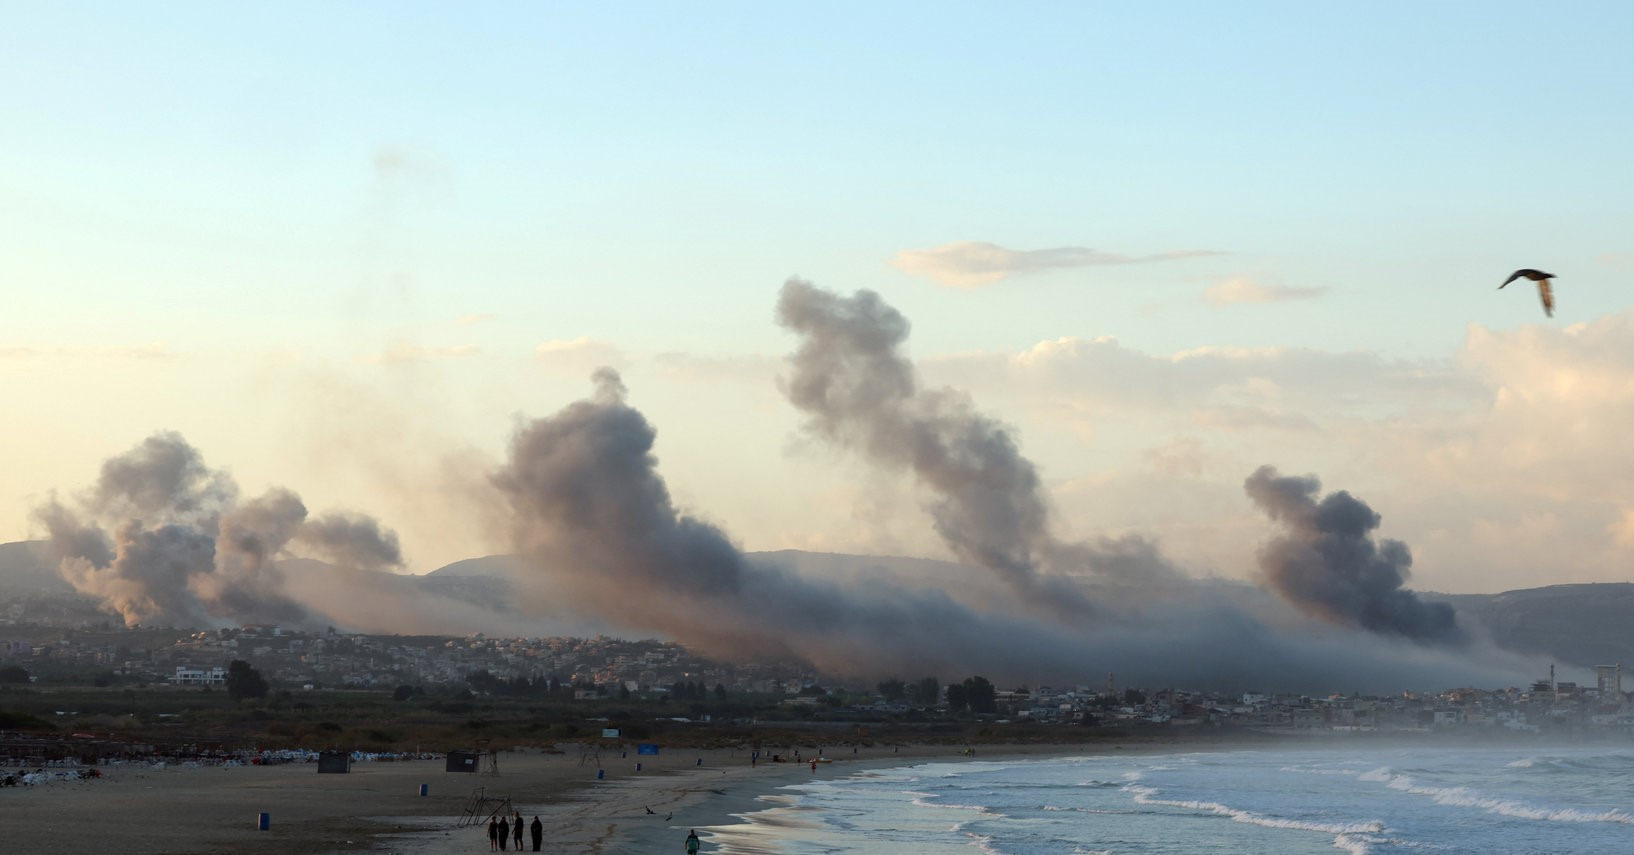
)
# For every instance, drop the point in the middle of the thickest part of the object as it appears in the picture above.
(1579, 625)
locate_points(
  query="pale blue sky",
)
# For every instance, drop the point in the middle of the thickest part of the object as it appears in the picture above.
(243, 190)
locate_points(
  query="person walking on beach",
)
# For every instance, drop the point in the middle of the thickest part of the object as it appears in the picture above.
(504, 833)
(692, 842)
(538, 833)
(518, 829)
(493, 835)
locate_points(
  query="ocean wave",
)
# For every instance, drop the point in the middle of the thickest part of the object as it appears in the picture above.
(1093, 784)
(985, 843)
(1149, 796)
(928, 800)
(1098, 811)
(1465, 797)
(1311, 770)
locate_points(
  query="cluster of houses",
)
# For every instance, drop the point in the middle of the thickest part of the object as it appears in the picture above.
(1547, 704)
(601, 666)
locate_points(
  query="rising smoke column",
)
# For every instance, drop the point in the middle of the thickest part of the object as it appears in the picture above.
(593, 518)
(184, 550)
(596, 526)
(1327, 563)
(858, 392)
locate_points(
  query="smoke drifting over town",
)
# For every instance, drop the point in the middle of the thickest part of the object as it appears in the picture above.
(1327, 563)
(184, 551)
(596, 520)
(597, 538)
(596, 525)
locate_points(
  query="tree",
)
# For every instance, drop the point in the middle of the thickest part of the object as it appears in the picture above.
(956, 699)
(243, 681)
(980, 695)
(892, 690)
(13, 674)
(403, 693)
(720, 691)
(926, 692)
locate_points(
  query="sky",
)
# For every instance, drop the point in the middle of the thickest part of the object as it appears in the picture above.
(349, 249)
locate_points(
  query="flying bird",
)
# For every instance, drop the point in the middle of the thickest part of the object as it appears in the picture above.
(1544, 290)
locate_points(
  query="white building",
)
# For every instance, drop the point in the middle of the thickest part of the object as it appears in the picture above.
(186, 676)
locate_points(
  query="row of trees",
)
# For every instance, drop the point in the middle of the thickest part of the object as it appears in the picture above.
(975, 694)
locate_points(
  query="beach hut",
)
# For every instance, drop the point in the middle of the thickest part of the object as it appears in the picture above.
(334, 761)
(462, 761)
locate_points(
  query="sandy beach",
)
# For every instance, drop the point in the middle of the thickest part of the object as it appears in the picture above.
(144, 810)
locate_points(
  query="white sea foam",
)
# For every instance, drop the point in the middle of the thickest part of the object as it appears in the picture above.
(1465, 797)
(1279, 802)
(1148, 796)
(985, 843)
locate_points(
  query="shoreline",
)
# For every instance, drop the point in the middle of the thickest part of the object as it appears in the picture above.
(611, 816)
(377, 807)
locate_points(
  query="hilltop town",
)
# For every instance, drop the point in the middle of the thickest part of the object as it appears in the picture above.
(601, 670)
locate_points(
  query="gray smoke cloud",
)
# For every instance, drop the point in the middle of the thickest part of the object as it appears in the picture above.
(596, 526)
(184, 551)
(860, 393)
(594, 518)
(352, 540)
(1328, 564)
(162, 477)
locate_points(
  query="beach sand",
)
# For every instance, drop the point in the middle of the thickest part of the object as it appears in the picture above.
(141, 810)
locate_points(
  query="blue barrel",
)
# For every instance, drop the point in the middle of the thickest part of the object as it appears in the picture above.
(422, 789)
(700, 761)
(263, 821)
(638, 767)
(601, 773)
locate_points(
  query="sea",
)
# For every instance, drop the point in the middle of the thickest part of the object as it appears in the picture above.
(1359, 800)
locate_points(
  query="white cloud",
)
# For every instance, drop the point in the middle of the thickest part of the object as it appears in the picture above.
(1243, 289)
(405, 353)
(972, 264)
(1503, 465)
(746, 369)
(579, 355)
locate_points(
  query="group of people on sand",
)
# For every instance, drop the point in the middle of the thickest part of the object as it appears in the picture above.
(500, 831)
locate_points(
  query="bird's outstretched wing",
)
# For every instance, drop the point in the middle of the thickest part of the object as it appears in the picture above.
(1512, 277)
(1548, 295)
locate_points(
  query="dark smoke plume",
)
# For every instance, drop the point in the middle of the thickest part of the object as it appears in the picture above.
(184, 551)
(858, 392)
(162, 477)
(593, 516)
(597, 528)
(1327, 563)
(352, 540)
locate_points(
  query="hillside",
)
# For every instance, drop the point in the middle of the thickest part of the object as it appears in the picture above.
(1581, 624)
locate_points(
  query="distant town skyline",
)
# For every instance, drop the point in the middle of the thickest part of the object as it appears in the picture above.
(347, 250)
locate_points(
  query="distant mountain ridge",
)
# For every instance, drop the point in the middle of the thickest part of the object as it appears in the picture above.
(1583, 624)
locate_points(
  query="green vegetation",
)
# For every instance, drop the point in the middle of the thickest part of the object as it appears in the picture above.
(442, 717)
(244, 682)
